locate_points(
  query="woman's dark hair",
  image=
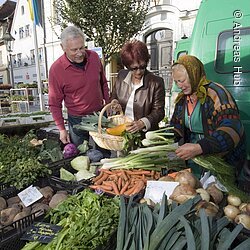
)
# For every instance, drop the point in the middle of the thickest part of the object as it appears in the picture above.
(134, 51)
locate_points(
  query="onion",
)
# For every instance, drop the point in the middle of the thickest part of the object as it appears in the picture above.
(182, 193)
(231, 211)
(233, 200)
(211, 209)
(148, 201)
(187, 178)
(203, 193)
(242, 207)
(248, 208)
(244, 219)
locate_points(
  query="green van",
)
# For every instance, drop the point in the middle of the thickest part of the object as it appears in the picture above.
(221, 40)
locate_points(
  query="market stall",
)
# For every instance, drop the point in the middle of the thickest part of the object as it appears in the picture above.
(143, 199)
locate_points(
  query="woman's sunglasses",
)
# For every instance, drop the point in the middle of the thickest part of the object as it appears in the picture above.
(141, 67)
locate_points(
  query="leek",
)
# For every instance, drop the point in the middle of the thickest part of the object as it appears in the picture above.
(160, 136)
(150, 158)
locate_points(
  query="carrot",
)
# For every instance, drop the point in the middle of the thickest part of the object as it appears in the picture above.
(124, 175)
(138, 187)
(106, 171)
(136, 172)
(97, 177)
(123, 182)
(115, 188)
(107, 183)
(102, 187)
(105, 188)
(129, 191)
(119, 183)
(124, 187)
(103, 178)
(93, 186)
(113, 177)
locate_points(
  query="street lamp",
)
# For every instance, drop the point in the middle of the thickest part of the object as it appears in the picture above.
(8, 40)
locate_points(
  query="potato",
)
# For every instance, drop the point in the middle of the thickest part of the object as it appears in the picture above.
(43, 208)
(215, 193)
(13, 200)
(47, 192)
(62, 192)
(22, 214)
(56, 199)
(7, 215)
(3, 203)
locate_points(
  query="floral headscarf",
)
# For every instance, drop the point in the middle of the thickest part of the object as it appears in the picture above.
(197, 76)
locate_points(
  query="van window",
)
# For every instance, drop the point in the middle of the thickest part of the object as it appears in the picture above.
(233, 50)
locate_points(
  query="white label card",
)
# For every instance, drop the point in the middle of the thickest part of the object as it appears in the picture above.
(29, 195)
(156, 189)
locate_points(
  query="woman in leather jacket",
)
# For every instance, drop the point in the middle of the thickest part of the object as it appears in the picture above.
(139, 93)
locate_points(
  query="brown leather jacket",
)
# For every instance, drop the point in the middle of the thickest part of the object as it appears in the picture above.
(149, 99)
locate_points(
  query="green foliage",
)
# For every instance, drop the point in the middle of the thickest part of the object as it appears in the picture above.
(19, 161)
(109, 23)
(88, 221)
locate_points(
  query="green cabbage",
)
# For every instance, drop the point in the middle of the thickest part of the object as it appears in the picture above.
(80, 163)
(83, 175)
(66, 175)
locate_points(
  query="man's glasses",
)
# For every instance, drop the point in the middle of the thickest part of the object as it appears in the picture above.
(141, 67)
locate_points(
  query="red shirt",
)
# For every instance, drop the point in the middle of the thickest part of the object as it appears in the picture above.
(80, 88)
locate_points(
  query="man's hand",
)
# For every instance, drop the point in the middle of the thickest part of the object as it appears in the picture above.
(64, 136)
(188, 151)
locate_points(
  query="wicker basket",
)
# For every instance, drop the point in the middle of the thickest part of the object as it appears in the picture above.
(111, 142)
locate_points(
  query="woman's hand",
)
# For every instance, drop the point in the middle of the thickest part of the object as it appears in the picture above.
(135, 126)
(115, 106)
(188, 151)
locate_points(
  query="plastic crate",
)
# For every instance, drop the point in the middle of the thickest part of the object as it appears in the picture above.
(10, 235)
(111, 243)
(7, 191)
(58, 184)
(65, 163)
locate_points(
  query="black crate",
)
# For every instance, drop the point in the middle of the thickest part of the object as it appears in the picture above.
(7, 191)
(65, 163)
(10, 235)
(111, 244)
(58, 184)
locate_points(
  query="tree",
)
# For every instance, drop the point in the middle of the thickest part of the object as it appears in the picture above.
(109, 23)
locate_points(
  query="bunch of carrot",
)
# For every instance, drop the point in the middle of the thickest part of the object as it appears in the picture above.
(123, 182)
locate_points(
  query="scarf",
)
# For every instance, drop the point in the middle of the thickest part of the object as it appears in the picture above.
(197, 76)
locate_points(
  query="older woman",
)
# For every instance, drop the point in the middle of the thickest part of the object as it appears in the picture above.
(206, 116)
(139, 92)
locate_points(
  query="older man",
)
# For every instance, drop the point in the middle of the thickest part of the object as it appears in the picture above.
(77, 78)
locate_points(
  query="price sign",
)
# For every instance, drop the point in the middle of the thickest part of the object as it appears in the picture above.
(30, 195)
(41, 231)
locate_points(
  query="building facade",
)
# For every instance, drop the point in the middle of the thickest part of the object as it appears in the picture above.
(166, 22)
